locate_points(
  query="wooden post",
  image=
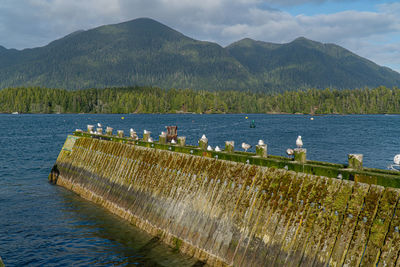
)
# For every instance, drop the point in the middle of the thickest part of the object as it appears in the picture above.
(182, 140)
(203, 142)
(261, 150)
(355, 161)
(109, 130)
(146, 135)
(162, 139)
(90, 128)
(300, 155)
(229, 146)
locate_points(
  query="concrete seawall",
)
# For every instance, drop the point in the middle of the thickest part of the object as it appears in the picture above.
(230, 213)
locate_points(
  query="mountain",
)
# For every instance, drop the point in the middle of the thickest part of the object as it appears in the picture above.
(303, 63)
(146, 52)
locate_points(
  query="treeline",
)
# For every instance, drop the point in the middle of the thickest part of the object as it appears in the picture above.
(156, 100)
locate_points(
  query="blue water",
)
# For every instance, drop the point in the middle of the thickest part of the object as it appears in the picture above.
(42, 224)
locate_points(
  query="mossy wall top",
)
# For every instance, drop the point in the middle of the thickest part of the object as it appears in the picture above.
(232, 213)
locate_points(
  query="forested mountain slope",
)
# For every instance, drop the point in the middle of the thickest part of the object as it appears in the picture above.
(145, 52)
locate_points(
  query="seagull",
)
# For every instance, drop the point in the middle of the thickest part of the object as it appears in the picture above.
(145, 131)
(299, 142)
(396, 159)
(131, 130)
(173, 141)
(289, 152)
(209, 148)
(217, 149)
(99, 124)
(245, 146)
(204, 137)
(261, 142)
(150, 140)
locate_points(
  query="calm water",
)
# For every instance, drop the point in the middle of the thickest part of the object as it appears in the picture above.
(41, 224)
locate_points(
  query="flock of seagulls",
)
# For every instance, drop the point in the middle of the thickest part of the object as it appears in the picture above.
(289, 151)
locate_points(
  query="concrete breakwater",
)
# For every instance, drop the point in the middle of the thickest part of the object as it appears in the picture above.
(229, 210)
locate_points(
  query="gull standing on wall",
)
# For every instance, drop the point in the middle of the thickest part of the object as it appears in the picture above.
(299, 142)
(245, 146)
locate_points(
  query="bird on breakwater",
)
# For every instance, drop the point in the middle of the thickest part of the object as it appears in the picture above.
(209, 148)
(299, 142)
(217, 149)
(261, 142)
(289, 152)
(245, 146)
(145, 132)
(99, 124)
(150, 140)
(396, 159)
(203, 137)
(396, 165)
(173, 141)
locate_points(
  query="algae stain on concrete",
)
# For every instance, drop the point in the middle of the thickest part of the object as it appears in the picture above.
(230, 213)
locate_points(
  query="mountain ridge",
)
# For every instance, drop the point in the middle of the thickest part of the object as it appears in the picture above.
(145, 52)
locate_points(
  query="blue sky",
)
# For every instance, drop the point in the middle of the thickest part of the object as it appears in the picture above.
(369, 28)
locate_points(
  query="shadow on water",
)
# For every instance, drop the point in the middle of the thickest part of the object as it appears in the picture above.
(131, 245)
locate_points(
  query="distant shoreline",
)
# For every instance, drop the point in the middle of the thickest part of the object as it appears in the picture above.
(150, 100)
(193, 113)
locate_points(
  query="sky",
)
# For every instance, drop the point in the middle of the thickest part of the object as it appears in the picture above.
(369, 28)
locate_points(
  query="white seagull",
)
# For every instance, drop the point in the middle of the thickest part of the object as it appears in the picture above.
(261, 142)
(209, 148)
(217, 149)
(99, 124)
(245, 146)
(173, 141)
(289, 152)
(396, 159)
(299, 142)
(204, 137)
(150, 140)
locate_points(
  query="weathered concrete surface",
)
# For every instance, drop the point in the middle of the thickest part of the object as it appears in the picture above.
(228, 213)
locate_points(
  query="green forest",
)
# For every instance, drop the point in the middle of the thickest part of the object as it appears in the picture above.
(155, 100)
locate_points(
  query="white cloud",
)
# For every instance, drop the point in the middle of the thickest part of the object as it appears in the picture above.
(29, 23)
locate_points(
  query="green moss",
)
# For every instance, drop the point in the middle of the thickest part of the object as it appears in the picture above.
(368, 175)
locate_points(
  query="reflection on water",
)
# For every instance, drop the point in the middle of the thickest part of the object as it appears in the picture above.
(128, 243)
(45, 225)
